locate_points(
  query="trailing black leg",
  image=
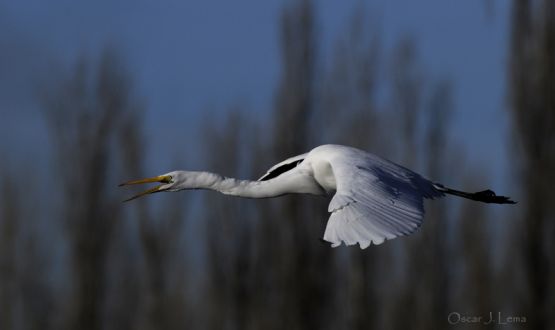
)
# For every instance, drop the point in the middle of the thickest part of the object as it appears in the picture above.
(485, 196)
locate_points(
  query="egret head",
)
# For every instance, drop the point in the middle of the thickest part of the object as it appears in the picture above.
(172, 181)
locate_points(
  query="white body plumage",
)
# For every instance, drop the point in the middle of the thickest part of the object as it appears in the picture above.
(373, 199)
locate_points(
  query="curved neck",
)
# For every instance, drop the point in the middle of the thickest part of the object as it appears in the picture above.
(284, 184)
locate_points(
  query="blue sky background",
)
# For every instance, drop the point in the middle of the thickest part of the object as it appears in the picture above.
(190, 56)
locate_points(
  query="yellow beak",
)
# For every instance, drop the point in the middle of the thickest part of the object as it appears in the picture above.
(161, 178)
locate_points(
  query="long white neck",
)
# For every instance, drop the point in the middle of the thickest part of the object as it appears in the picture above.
(284, 184)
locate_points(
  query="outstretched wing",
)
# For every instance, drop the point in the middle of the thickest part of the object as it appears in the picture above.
(283, 167)
(375, 200)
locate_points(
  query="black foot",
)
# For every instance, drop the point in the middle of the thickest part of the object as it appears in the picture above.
(488, 196)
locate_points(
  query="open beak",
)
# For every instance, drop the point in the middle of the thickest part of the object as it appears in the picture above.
(165, 179)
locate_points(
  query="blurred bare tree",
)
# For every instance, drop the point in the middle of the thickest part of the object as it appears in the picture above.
(407, 87)
(228, 225)
(473, 287)
(162, 282)
(532, 100)
(11, 217)
(349, 115)
(85, 112)
(421, 111)
(22, 258)
(437, 246)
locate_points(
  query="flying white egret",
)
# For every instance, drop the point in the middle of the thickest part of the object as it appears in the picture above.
(373, 199)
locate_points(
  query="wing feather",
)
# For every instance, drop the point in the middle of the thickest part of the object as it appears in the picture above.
(282, 167)
(375, 200)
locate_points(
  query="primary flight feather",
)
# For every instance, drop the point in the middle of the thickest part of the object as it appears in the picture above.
(373, 199)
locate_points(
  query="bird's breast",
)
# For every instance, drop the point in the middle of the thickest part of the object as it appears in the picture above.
(323, 174)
